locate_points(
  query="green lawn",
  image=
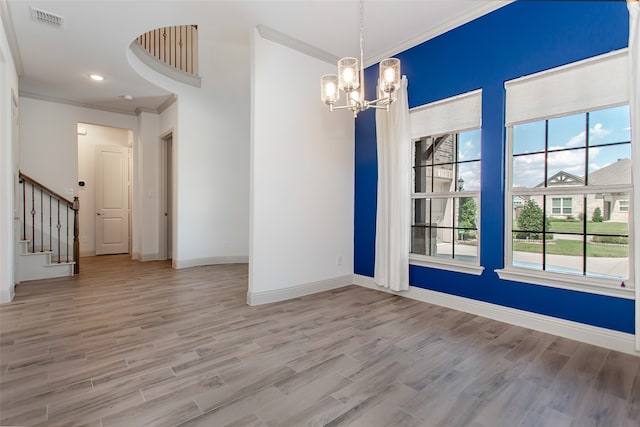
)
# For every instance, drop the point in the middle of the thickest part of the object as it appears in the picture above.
(574, 248)
(574, 226)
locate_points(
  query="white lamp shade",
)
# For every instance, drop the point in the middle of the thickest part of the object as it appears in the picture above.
(389, 75)
(329, 92)
(348, 74)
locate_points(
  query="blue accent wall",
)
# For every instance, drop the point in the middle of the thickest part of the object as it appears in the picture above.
(519, 39)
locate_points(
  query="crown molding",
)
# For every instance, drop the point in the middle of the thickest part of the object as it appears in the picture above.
(295, 44)
(459, 20)
(166, 104)
(31, 95)
(7, 23)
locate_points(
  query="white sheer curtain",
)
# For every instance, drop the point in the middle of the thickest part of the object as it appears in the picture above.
(634, 106)
(393, 211)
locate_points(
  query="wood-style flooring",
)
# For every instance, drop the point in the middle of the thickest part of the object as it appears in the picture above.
(136, 344)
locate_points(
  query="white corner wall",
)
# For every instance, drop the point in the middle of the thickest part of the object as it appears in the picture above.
(302, 187)
(8, 170)
(87, 145)
(210, 153)
(149, 201)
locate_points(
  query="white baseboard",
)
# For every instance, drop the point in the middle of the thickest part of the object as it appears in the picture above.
(266, 297)
(196, 262)
(150, 257)
(7, 296)
(602, 337)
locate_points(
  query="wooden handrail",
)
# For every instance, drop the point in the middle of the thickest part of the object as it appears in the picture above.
(45, 188)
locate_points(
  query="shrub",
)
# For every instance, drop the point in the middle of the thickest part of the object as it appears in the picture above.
(597, 215)
(610, 239)
(530, 219)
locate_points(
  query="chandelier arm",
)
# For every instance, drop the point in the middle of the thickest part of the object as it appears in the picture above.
(379, 107)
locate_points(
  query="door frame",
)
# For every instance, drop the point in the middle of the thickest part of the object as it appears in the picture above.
(126, 195)
(167, 183)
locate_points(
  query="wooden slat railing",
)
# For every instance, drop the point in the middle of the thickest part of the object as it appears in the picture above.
(175, 46)
(41, 206)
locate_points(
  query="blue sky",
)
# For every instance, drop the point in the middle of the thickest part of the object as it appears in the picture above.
(469, 149)
(605, 126)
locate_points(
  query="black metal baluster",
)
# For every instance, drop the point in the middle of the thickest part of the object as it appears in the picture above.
(41, 222)
(33, 219)
(50, 226)
(59, 226)
(24, 210)
(67, 242)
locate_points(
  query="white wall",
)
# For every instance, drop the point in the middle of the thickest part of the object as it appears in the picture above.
(149, 185)
(49, 144)
(87, 144)
(210, 153)
(8, 170)
(302, 187)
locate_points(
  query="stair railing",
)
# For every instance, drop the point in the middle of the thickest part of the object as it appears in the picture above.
(50, 222)
(175, 46)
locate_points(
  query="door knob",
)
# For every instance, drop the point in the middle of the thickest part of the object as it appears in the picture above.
(98, 213)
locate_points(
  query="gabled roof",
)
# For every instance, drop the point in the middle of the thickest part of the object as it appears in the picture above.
(562, 178)
(615, 173)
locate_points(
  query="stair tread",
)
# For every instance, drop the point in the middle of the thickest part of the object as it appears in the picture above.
(55, 264)
(37, 253)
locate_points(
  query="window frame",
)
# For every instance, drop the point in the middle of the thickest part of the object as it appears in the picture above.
(625, 207)
(590, 284)
(562, 206)
(456, 114)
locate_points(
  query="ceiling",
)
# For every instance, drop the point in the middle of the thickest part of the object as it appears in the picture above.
(96, 34)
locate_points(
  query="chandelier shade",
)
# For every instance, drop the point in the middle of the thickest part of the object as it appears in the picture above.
(350, 80)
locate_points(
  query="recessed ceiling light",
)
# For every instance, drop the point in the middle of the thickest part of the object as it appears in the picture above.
(127, 97)
(96, 77)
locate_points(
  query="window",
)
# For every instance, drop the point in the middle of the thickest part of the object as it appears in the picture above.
(569, 178)
(561, 206)
(446, 184)
(623, 206)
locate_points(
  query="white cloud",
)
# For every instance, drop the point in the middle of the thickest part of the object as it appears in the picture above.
(577, 140)
(596, 132)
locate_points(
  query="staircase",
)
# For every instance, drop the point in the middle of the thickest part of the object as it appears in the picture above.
(49, 245)
(40, 265)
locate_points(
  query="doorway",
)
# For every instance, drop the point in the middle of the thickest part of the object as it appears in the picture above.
(104, 165)
(166, 223)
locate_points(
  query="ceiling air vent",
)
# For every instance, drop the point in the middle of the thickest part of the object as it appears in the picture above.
(48, 18)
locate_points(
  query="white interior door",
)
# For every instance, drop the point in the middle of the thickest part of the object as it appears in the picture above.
(112, 201)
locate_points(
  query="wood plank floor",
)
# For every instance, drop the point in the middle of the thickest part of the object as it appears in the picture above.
(135, 344)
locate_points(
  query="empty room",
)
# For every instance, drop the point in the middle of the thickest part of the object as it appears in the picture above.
(319, 213)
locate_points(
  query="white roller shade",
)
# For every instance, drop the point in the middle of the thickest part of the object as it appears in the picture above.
(597, 82)
(453, 114)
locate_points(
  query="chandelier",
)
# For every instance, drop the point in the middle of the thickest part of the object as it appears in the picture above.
(350, 80)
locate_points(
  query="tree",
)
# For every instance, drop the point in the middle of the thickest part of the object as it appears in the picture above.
(597, 215)
(530, 219)
(467, 217)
